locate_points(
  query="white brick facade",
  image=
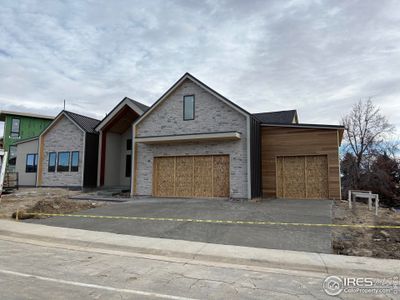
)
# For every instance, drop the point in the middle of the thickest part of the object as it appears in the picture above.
(64, 136)
(211, 115)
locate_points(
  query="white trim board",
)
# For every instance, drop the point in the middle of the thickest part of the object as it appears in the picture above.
(190, 137)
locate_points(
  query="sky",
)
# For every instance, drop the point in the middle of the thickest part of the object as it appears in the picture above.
(318, 57)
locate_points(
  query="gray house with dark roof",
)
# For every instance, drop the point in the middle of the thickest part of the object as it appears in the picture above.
(67, 153)
(194, 142)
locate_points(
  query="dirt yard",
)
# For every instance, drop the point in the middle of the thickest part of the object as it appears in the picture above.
(44, 200)
(381, 243)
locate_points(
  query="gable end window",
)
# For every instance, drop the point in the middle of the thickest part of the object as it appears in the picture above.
(15, 126)
(31, 163)
(188, 107)
(63, 162)
(52, 162)
(75, 161)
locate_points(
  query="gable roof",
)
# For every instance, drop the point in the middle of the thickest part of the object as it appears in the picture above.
(138, 107)
(199, 83)
(277, 117)
(84, 123)
(87, 124)
(142, 106)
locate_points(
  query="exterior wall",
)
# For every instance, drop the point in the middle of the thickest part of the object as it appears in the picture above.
(31, 147)
(280, 141)
(113, 157)
(29, 128)
(116, 159)
(63, 136)
(211, 115)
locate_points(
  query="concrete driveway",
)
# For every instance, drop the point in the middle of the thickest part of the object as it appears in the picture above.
(313, 239)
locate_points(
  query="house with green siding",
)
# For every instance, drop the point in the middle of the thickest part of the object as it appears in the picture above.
(19, 126)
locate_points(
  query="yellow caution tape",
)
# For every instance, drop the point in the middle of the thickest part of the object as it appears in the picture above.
(240, 222)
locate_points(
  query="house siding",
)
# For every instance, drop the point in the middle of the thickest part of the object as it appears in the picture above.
(211, 115)
(24, 178)
(63, 136)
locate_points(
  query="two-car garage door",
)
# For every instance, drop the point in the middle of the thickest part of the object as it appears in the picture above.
(302, 177)
(191, 176)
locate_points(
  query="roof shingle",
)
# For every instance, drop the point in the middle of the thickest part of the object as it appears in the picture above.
(277, 117)
(86, 123)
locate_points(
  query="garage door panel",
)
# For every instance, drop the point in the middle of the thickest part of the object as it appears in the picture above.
(191, 176)
(164, 169)
(317, 177)
(293, 177)
(302, 177)
(184, 176)
(203, 176)
(221, 176)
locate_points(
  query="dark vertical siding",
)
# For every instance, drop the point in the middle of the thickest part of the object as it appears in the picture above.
(255, 158)
(91, 156)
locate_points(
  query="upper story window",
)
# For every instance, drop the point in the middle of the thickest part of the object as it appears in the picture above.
(15, 126)
(188, 107)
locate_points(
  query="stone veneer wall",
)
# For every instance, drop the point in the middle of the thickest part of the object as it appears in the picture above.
(64, 136)
(211, 115)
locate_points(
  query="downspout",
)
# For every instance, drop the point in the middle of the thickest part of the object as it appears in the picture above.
(133, 153)
(248, 159)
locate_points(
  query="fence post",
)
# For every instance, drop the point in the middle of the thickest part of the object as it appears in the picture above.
(349, 198)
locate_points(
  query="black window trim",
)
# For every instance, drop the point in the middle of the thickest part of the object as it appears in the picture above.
(34, 163)
(194, 105)
(71, 166)
(19, 128)
(58, 161)
(55, 162)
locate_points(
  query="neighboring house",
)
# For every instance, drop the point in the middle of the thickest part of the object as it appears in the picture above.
(193, 142)
(116, 144)
(19, 126)
(26, 164)
(68, 152)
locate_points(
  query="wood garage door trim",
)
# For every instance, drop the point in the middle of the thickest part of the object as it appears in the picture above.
(305, 156)
(197, 190)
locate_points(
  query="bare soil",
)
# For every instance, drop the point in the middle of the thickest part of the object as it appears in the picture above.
(371, 242)
(42, 200)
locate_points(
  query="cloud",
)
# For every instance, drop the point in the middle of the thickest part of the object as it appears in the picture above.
(316, 56)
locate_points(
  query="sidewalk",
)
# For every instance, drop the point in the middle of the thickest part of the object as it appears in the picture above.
(196, 251)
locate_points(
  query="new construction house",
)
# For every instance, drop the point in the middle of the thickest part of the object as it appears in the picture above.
(192, 142)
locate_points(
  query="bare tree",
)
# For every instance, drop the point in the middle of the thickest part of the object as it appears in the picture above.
(366, 129)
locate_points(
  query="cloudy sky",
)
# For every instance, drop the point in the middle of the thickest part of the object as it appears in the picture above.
(316, 56)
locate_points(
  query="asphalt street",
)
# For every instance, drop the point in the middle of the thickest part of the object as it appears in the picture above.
(312, 239)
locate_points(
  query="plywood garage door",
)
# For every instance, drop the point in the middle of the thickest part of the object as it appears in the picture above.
(302, 177)
(191, 176)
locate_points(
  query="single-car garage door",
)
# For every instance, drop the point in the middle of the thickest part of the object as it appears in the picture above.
(302, 177)
(191, 176)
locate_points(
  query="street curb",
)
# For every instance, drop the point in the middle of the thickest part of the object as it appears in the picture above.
(198, 251)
